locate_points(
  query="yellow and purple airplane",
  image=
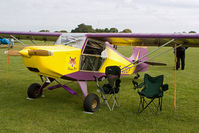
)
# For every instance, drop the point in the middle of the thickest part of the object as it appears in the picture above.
(81, 57)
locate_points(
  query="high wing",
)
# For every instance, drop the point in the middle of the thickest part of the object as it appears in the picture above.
(119, 39)
(43, 36)
(132, 39)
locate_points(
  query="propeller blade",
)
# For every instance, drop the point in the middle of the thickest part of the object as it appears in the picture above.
(12, 53)
(155, 63)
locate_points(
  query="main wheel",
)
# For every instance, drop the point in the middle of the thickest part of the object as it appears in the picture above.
(34, 90)
(91, 102)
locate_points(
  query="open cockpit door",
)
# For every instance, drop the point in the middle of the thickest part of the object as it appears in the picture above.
(93, 55)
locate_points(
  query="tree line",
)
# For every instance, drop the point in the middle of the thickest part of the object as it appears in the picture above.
(83, 28)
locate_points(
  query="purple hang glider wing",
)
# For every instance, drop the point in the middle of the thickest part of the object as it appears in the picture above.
(43, 36)
(131, 39)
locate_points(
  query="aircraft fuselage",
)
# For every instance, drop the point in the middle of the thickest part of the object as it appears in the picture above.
(68, 62)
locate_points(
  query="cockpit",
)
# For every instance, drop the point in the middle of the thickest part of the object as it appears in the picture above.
(93, 54)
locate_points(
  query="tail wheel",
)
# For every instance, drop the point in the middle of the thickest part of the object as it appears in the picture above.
(34, 90)
(91, 103)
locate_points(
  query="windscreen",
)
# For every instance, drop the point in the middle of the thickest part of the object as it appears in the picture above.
(74, 40)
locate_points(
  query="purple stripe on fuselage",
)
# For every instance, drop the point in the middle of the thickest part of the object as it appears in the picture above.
(83, 76)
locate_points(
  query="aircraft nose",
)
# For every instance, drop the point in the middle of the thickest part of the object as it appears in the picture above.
(24, 52)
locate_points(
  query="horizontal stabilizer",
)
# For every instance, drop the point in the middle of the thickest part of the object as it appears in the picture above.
(155, 63)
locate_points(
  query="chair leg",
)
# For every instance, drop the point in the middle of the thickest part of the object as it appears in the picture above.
(147, 105)
(160, 100)
(140, 104)
(156, 107)
(119, 99)
(107, 101)
(142, 101)
(115, 101)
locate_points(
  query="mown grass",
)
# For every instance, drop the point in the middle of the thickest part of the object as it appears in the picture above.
(60, 112)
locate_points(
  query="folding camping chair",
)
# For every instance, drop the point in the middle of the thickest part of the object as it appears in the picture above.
(151, 88)
(110, 92)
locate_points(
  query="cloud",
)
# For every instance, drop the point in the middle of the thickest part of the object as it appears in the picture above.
(140, 16)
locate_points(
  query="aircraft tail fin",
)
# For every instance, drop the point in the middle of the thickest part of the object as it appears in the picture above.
(139, 53)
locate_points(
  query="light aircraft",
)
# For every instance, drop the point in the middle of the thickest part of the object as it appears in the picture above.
(82, 56)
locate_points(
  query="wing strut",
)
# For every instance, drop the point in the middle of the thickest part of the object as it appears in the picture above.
(127, 67)
(163, 52)
(17, 40)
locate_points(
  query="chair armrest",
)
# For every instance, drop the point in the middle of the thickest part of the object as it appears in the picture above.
(141, 85)
(136, 85)
(165, 87)
(98, 79)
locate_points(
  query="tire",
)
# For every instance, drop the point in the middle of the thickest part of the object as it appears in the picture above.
(91, 103)
(34, 90)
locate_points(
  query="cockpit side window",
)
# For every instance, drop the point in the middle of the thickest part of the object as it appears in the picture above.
(94, 48)
(93, 56)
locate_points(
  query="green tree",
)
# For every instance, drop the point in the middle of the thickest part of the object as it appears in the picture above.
(44, 31)
(82, 28)
(126, 31)
(106, 30)
(62, 31)
(99, 30)
(192, 32)
(113, 30)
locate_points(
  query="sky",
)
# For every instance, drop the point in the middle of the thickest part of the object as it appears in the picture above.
(141, 16)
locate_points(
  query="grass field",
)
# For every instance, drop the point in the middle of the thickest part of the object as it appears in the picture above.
(60, 112)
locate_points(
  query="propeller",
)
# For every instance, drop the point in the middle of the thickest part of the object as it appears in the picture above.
(29, 53)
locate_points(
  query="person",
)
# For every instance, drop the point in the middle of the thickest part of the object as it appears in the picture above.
(180, 55)
(11, 42)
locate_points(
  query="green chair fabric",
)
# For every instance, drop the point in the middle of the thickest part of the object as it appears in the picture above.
(153, 88)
